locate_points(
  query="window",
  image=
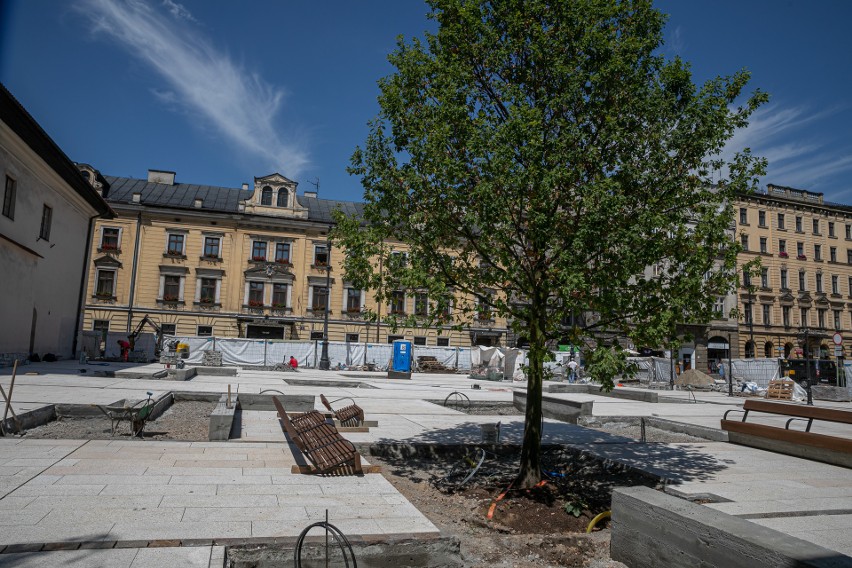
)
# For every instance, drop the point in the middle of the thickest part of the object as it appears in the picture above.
(766, 313)
(785, 315)
(397, 306)
(211, 247)
(719, 307)
(816, 226)
(483, 308)
(831, 229)
(802, 280)
(105, 284)
(832, 254)
(392, 338)
(256, 294)
(168, 328)
(761, 218)
(803, 316)
(837, 319)
(747, 313)
(282, 253)
(46, 218)
(746, 278)
(398, 259)
(320, 255)
(279, 295)
(821, 318)
(353, 300)
(783, 278)
(817, 252)
(110, 238)
(744, 241)
(443, 342)
(205, 331)
(421, 305)
(782, 247)
(799, 224)
(171, 288)
(781, 221)
(849, 231)
(352, 338)
(800, 250)
(764, 277)
(763, 247)
(258, 251)
(819, 283)
(743, 216)
(849, 256)
(319, 298)
(850, 286)
(174, 246)
(419, 340)
(835, 286)
(12, 187)
(282, 197)
(207, 291)
(266, 195)
(103, 327)
(316, 336)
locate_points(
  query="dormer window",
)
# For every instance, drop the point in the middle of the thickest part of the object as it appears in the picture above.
(266, 196)
(282, 197)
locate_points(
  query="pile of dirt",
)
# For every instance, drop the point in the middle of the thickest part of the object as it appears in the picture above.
(184, 420)
(541, 527)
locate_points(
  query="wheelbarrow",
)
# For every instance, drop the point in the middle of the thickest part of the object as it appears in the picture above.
(136, 412)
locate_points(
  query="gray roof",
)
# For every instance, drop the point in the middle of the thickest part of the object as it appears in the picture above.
(214, 199)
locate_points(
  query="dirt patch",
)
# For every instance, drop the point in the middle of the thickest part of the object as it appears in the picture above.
(539, 528)
(184, 420)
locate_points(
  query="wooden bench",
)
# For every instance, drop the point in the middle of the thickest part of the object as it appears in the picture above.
(806, 444)
(319, 442)
(352, 415)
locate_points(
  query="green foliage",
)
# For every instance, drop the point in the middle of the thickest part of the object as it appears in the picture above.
(545, 160)
(575, 507)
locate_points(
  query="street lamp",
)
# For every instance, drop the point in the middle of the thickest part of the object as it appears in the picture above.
(730, 369)
(806, 333)
(325, 363)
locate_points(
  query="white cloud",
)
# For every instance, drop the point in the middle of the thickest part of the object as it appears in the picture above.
(200, 77)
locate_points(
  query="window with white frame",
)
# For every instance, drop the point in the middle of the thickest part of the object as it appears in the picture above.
(110, 239)
(175, 244)
(280, 295)
(205, 331)
(172, 287)
(282, 253)
(319, 298)
(764, 277)
(321, 255)
(837, 322)
(208, 290)
(785, 315)
(212, 247)
(719, 307)
(258, 250)
(255, 293)
(105, 283)
(353, 300)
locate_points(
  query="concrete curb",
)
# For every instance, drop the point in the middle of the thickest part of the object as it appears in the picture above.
(652, 529)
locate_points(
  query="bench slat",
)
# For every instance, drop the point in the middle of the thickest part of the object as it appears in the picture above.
(823, 441)
(785, 409)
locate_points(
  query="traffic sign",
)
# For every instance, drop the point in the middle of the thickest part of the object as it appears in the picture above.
(838, 351)
(838, 339)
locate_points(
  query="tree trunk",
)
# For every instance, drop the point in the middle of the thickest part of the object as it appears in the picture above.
(530, 469)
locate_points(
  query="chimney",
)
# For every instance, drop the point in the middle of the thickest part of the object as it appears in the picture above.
(245, 186)
(311, 194)
(161, 176)
(198, 202)
(137, 197)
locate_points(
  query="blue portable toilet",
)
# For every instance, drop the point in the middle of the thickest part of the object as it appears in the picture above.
(401, 356)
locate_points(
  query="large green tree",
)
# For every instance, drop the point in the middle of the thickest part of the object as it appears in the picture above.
(541, 159)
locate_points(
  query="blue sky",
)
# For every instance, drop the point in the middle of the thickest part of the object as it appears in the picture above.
(222, 91)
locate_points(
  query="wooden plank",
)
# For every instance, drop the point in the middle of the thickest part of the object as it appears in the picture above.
(799, 411)
(310, 470)
(823, 441)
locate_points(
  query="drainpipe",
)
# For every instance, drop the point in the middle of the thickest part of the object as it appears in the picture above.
(133, 273)
(84, 279)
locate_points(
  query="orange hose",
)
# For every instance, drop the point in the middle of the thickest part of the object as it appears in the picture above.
(500, 497)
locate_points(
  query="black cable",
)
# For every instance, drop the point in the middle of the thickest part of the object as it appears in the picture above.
(339, 537)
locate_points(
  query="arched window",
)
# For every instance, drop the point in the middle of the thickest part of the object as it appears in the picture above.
(768, 350)
(266, 196)
(749, 350)
(788, 348)
(282, 197)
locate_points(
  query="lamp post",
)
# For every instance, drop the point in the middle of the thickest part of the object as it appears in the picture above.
(806, 332)
(325, 363)
(730, 369)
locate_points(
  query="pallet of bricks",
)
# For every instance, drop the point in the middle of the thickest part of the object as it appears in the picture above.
(429, 364)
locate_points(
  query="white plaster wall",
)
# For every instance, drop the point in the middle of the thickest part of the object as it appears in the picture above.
(51, 284)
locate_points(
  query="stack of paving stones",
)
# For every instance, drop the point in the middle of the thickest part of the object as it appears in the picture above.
(211, 359)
